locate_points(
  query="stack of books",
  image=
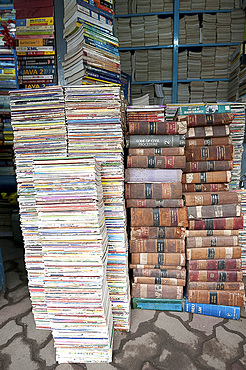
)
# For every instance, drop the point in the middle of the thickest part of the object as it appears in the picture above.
(214, 213)
(72, 230)
(94, 116)
(153, 194)
(35, 43)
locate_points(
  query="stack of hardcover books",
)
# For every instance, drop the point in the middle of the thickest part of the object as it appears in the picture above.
(35, 43)
(214, 212)
(153, 194)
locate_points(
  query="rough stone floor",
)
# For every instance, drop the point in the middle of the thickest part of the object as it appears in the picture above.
(157, 340)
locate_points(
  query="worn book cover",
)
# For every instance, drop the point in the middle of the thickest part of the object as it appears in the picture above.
(213, 253)
(207, 119)
(157, 246)
(230, 223)
(210, 153)
(159, 232)
(142, 161)
(209, 177)
(215, 275)
(212, 198)
(211, 241)
(159, 217)
(198, 188)
(158, 190)
(228, 298)
(221, 264)
(154, 203)
(156, 291)
(214, 211)
(169, 259)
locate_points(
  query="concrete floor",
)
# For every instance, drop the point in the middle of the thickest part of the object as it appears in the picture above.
(157, 340)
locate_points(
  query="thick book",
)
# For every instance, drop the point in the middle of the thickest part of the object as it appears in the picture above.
(157, 304)
(150, 175)
(154, 141)
(157, 246)
(212, 198)
(206, 166)
(222, 264)
(213, 253)
(227, 312)
(203, 109)
(195, 285)
(215, 275)
(35, 42)
(198, 188)
(208, 141)
(210, 153)
(211, 241)
(210, 131)
(214, 211)
(158, 281)
(156, 161)
(161, 232)
(231, 223)
(156, 128)
(154, 203)
(229, 298)
(194, 120)
(209, 177)
(159, 217)
(37, 12)
(160, 273)
(169, 259)
(158, 190)
(157, 151)
(156, 291)
(158, 267)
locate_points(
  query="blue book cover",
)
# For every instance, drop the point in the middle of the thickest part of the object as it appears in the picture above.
(94, 8)
(33, 71)
(204, 109)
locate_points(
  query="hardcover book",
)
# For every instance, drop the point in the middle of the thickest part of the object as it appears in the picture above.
(141, 161)
(207, 119)
(209, 177)
(227, 312)
(155, 141)
(156, 128)
(208, 141)
(230, 223)
(210, 153)
(212, 198)
(158, 281)
(154, 203)
(238, 286)
(215, 275)
(229, 298)
(206, 166)
(160, 273)
(214, 211)
(157, 246)
(213, 253)
(210, 131)
(211, 241)
(161, 232)
(159, 217)
(198, 188)
(156, 291)
(222, 264)
(149, 175)
(157, 151)
(158, 190)
(169, 259)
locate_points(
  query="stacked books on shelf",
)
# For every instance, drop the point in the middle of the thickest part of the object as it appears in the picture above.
(94, 116)
(35, 43)
(72, 230)
(153, 194)
(92, 50)
(214, 213)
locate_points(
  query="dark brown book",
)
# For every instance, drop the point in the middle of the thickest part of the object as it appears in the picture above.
(210, 177)
(156, 291)
(193, 233)
(159, 281)
(211, 241)
(190, 188)
(161, 273)
(157, 151)
(231, 223)
(197, 120)
(158, 267)
(215, 286)
(213, 253)
(203, 198)
(161, 232)
(215, 275)
(169, 259)
(209, 153)
(208, 141)
(225, 264)
(157, 246)
(159, 217)
(142, 161)
(210, 131)
(156, 128)
(206, 166)
(143, 114)
(225, 298)
(214, 211)
(154, 203)
(172, 190)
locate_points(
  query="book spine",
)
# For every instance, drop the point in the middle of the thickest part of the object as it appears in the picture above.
(34, 42)
(227, 312)
(156, 291)
(201, 132)
(36, 71)
(224, 264)
(214, 211)
(101, 71)
(35, 85)
(204, 187)
(156, 161)
(235, 298)
(206, 166)
(211, 241)
(156, 128)
(202, 199)
(150, 175)
(209, 141)
(213, 253)
(101, 45)
(170, 259)
(159, 281)
(156, 151)
(102, 12)
(101, 77)
(45, 21)
(215, 276)
(231, 223)
(209, 177)
(209, 119)
(154, 203)
(158, 267)
(160, 273)
(159, 217)
(153, 191)
(155, 141)
(212, 153)
(160, 232)
(157, 246)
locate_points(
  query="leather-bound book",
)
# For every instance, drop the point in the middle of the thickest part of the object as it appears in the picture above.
(159, 217)
(146, 114)
(214, 211)
(154, 203)
(211, 241)
(206, 166)
(156, 291)
(193, 233)
(158, 190)
(208, 141)
(161, 273)
(230, 223)
(169, 259)
(191, 188)
(161, 232)
(210, 177)
(215, 275)
(203, 198)
(224, 264)
(213, 253)
(157, 151)
(156, 128)
(156, 161)
(210, 131)
(158, 267)
(157, 280)
(157, 246)
(154, 141)
(238, 286)
(150, 175)
(194, 120)
(210, 153)
(227, 298)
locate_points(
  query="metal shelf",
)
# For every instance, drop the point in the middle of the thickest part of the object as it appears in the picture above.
(182, 12)
(146, 47)
(179, 81)
(209, 44)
